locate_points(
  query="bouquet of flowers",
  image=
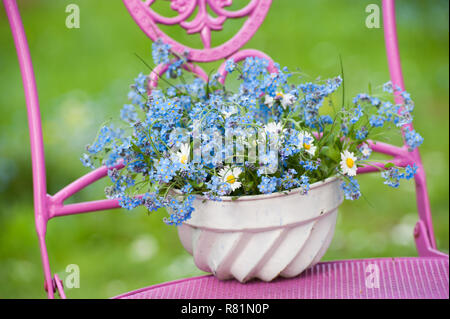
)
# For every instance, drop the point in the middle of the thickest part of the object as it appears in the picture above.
(270, 135)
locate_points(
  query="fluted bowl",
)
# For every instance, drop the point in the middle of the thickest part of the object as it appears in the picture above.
(263, 236)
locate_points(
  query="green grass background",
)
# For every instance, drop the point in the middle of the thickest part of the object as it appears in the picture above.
(83, 76)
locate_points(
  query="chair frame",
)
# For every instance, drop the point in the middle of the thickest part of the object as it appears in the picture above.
(48, 206)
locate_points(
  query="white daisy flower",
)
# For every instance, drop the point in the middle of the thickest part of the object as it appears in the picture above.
(287, 100)
(306, 142)
(348, 163)
(182, 156)
(231, 176)
(274, 128)
(229, 112)
(275, 133)
(268, 100)
(279, 95)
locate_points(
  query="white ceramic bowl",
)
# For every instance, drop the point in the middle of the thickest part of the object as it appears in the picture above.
(263, 236)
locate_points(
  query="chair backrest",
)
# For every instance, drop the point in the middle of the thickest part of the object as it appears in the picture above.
(47, 207)
(203, 23)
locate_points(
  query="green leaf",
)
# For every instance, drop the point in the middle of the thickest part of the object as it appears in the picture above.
(324, 150)
(389, 165)
(332, 152)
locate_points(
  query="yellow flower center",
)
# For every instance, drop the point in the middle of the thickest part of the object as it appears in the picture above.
(231, 179)
(183, 159)
(279, 94)
(306, 146)
(350, 162)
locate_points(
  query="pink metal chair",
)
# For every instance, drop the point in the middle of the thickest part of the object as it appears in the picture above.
(426, 276)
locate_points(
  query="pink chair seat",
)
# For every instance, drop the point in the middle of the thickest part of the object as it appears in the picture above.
(408, 277)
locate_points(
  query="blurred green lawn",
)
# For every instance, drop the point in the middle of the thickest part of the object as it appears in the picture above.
(83, 77)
